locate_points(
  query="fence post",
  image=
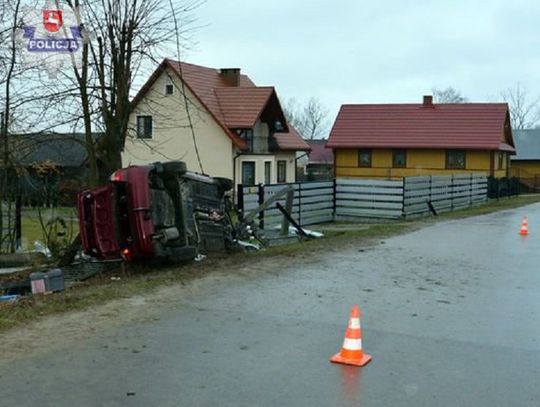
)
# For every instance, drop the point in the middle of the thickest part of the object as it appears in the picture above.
(403, 184)
(452, 192)
(240, 197)
(18, 222)
(260, 201)
(473, 185)
(300, 203)
(334, 203)
(288, 208)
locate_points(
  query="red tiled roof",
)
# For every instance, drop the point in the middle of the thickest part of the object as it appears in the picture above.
(241, 107)
(231, 106)
(320, 154)
(461, 126)
(291, 140)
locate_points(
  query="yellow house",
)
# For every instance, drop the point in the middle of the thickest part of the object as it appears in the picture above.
(217, 121)
(398, 140)
(526, 162)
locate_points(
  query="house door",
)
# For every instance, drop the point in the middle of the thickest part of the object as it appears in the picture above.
(248, 172)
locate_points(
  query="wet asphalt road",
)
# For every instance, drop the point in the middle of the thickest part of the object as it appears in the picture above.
(450, 314)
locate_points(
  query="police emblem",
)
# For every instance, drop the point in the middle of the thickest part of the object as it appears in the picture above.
(51, 38)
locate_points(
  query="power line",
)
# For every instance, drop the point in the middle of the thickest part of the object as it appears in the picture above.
(186, 100)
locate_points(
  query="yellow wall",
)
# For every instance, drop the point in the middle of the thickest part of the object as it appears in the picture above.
(419, 162)
(526, 168)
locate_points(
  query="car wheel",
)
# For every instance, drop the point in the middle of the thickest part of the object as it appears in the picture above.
(178, 167)
(224, 184)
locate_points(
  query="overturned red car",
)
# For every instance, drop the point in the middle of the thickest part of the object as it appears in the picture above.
(156, 211)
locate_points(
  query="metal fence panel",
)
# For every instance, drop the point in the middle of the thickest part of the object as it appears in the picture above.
(322, 201)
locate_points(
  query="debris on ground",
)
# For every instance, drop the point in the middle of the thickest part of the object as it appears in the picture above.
(307, 232)
(47, 282)
(8, 298)
(40, 247)
(200, 257)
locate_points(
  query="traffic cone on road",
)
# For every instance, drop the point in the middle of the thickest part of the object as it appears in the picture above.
(351, 352)
(524, 231)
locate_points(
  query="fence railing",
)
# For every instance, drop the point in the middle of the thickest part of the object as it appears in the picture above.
(369, 198)
(340, 199)
(443, 193)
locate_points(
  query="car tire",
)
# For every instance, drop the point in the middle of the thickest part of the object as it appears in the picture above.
(177, 167)
(224, 184)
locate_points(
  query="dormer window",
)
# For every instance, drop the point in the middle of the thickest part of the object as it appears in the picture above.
(169, 89)
(278, 125)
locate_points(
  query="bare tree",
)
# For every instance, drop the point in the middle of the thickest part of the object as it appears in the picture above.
(311, 120)
(524, 111)
(448, 95)
(84, 83)
(128, 37)
(9, 65)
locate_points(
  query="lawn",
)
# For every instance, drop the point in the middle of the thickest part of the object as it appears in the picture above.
(58, 223)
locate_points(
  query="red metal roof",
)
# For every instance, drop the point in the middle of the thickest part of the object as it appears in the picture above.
(320, 154)
(458, 126)
(291, 140)
(231, 106)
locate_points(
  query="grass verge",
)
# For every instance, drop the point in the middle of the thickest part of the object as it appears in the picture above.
(140, 280)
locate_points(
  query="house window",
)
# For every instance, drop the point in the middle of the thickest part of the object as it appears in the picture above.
(399, 158)
(267, 172)
(248, 172)
(282, 171)
(144, 126)
(455, 159)
(364, 158)
(169, 89)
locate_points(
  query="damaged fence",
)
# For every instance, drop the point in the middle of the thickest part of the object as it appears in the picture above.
(313, 202)
(342, 199)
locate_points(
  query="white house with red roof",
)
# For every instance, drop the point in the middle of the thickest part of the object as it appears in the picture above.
(217, 121)
(398, 140)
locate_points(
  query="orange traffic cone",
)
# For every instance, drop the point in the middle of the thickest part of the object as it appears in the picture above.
(524, 231)
(351, 352)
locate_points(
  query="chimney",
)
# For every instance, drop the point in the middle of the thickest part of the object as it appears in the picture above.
(428, 101)
(231, 76)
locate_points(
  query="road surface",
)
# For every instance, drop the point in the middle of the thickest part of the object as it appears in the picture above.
(450, 314)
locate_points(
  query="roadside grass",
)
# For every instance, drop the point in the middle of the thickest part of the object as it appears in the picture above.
(493, 205)
(78, 298)
(137, 280)
(32, 229)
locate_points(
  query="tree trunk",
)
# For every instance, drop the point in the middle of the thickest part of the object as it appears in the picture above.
(110, 155)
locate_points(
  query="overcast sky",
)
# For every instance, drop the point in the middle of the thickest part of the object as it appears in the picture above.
(347, 51)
